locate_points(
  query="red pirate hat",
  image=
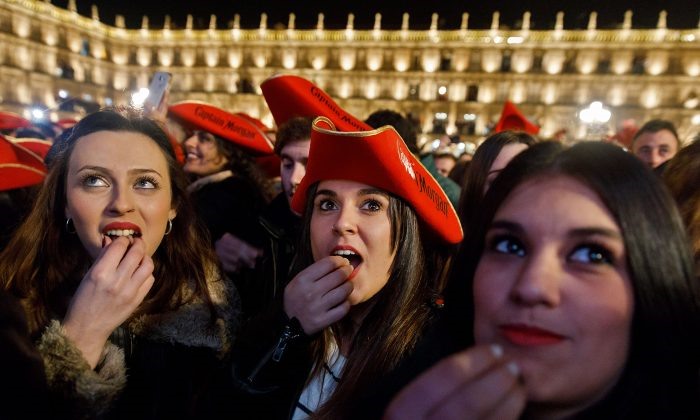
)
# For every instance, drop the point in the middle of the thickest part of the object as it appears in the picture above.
(381, 159)
(290, 96)
(256, 122)
(233, 128)
(12, 121)
(37, 146)
(513, 119)
(18, 166)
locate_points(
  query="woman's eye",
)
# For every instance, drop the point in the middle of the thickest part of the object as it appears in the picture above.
(508, 246)
(326, 205)
(203, 136)
(372, 205)
(94, 181)
(146, 183)
(591, 254)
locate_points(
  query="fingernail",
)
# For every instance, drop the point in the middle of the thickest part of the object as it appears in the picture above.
(513, 368)
(497, 351)
(104, 241)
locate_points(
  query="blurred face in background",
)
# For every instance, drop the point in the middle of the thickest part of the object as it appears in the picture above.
(294, 156)
(444, 164)
(655, 148)
(507, 153)
(202, 154)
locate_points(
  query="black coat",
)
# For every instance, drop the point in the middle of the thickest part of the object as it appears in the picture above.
(269, 389)
(280, 229)
(231, 205)
(23, 377)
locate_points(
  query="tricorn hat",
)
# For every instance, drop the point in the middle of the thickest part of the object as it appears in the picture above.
(381, 159)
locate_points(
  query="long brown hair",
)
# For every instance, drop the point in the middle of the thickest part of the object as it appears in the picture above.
(396, 316)
(682, 177)
(44, 263)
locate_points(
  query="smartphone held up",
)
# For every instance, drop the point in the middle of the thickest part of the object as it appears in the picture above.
(160, 84)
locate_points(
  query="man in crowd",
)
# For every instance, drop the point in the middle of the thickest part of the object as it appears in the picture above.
(280, 225)
(656, 142)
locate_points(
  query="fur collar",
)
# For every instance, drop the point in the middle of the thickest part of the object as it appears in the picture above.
(191, 324)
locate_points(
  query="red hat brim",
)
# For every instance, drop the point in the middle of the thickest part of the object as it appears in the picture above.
(381, 159)
(19, 167)
(256, 122)
(290, 96)
(237, 130)
(513, 119)
(36, 146)
(12, 121)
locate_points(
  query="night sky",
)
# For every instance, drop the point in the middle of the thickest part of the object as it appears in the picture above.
(681, 14)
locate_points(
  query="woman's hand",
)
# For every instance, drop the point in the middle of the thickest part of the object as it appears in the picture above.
(318, 296)
(110, 292)
(478, 383)
(235, 253)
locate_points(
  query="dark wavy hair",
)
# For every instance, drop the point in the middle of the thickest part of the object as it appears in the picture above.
(44, 263)
(475, 177)
(660, 379)
(396, 316)
(243, 165)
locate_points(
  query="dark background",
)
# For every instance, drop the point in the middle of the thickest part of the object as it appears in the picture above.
(681, 14)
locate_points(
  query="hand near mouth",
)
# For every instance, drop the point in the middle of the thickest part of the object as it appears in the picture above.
(478, 383)
(318, 296)
(108, 294)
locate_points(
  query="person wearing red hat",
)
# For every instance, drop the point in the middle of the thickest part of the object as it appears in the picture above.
(229, 189)
(122, 292)
(512, 119)
(9, 122)
(21, 171)
(375, 235)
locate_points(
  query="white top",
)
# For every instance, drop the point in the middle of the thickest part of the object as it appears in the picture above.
(321, 386)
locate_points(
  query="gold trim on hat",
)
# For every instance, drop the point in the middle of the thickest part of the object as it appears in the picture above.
(21, 166)
(348, 133)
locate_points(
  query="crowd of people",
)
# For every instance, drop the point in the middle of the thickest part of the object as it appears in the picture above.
(331, 269)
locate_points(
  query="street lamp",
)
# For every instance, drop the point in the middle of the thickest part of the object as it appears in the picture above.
(596, 118)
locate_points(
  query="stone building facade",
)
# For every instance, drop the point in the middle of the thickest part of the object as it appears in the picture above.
(452, 80)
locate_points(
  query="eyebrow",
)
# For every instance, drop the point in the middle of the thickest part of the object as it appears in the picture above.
(135, 171)
(576, 232)
(286, 156)
(364, 191)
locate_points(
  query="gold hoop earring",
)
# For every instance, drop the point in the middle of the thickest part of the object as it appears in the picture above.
(170, 227)
(69, 224)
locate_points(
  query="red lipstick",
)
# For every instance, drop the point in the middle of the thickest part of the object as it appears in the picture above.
(121, 226)
(524, 335)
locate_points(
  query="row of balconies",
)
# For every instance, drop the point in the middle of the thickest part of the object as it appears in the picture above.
(581, 57)
(482, 88)
(519, 61)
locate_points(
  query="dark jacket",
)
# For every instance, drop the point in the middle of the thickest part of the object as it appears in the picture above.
(156, 366)
(269, 388)
(23, 377)
(230, 205)
(280, 228)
